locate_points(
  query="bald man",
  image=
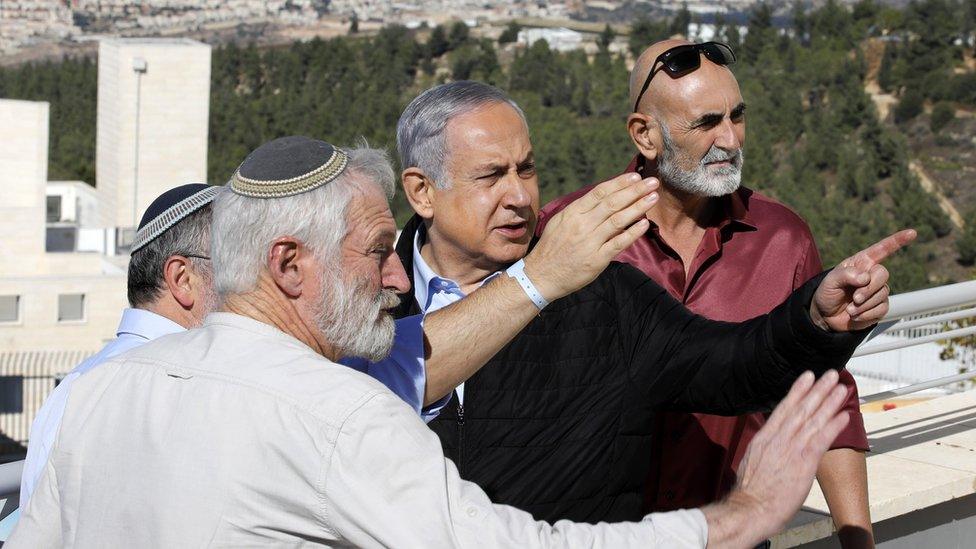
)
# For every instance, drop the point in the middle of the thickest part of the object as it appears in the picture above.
(727, 253)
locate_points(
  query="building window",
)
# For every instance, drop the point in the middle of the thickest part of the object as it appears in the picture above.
(9, 308)
(71, 307)
(61, 239)
(53, 208)
(11, 394)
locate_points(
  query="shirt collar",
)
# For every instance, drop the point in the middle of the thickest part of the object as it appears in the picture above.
(146, 325)
(425, 279)
(735, 206)
(422, 273)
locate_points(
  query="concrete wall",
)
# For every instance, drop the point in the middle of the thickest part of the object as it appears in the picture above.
(30, 273)
(23, 175)
(173, 116)
(949, 525)
(39, 328)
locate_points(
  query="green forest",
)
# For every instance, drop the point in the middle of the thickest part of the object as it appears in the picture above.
(814, 138)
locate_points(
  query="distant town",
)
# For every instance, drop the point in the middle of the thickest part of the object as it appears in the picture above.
(37, 29)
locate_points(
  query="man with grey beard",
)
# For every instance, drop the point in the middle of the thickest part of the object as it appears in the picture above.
(727, 253)
(245, 431)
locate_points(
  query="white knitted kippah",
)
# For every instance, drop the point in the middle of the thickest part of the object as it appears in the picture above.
(173, 215)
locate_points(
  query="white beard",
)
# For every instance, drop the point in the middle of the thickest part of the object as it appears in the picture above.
(354, 321)
(701, 180)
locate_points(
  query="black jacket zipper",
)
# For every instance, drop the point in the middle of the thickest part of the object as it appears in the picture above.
(460, 432)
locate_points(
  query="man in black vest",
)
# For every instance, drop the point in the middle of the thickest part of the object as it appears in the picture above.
(558, 423)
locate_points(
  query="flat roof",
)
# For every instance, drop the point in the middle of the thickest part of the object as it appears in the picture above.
(151, 41)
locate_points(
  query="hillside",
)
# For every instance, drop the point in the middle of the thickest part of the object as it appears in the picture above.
(816, 138)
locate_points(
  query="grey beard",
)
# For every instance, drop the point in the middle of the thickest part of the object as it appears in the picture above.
(353, 321)
(700, 181)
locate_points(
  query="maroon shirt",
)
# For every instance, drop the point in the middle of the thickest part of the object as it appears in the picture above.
(747, 263)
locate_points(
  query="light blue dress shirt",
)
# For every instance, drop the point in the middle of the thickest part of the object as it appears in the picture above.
(434, 292)
(402, 372)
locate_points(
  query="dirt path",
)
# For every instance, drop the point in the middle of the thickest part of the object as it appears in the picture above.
(933, 189)
(873, 55)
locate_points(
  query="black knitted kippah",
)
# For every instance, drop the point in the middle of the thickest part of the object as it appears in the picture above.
(288, 166)
(170, 208)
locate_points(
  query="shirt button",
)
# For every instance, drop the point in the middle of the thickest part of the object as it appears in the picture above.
(472, 512)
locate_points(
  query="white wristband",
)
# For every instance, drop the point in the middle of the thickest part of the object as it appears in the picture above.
(517, 271)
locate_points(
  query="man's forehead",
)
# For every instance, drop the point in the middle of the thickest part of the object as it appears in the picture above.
(709, 89)
(492, 132)
(369, 209)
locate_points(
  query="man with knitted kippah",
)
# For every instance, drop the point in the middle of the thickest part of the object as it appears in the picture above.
(246, 432)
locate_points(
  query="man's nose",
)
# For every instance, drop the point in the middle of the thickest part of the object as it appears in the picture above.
(516, 195)
(728, 136)
(394, 276)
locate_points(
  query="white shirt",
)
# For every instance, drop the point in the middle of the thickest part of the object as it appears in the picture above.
(136, 328)
(239, 435)
(403, 372)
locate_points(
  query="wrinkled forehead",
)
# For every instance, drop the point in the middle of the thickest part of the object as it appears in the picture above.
(369, 216)
(490, 134)
(711, 88)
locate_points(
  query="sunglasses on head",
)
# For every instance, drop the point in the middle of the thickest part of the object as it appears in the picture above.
(686, 58)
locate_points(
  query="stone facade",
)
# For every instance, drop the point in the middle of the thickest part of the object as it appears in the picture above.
(30, 276)
(168, 80)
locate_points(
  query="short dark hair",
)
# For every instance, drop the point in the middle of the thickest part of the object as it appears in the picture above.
(190, 236)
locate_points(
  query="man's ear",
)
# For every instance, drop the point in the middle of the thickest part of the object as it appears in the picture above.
(176, 276)
(645, 133)
(288, 260)
(419, 189)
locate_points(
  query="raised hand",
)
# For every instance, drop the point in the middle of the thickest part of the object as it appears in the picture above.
(855, 293)
(579, 242)
(779, 465)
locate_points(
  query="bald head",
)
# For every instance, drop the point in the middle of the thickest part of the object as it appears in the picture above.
(664, 88)
(690, 126)
(643, 66)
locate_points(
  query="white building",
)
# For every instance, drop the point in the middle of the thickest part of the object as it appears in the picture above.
(153, 115)
(48, 301)
(559, 39)
(76, 222)
(63, 261)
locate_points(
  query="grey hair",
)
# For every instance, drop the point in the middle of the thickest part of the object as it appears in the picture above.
(420, 130)
(191, 236)
(244, 227)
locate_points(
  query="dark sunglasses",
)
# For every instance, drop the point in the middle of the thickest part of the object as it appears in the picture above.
(686, 58)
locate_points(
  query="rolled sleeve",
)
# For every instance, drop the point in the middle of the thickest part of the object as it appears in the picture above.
(404, 371)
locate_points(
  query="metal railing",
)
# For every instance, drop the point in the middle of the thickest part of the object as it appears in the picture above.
(920, 317)
(10, 474)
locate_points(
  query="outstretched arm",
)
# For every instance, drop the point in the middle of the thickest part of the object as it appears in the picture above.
(690, 363)
(370, 498)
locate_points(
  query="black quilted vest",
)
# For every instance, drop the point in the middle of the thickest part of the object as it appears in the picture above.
(559, 422)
